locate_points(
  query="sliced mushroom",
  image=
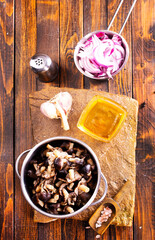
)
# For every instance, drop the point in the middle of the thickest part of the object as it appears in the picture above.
(35, 182)
(45, 196)
(38, 188)
(70, 186)
(49, 173)
(71, 174)
(62, 174)
(84, 188)
(84, 197)
(76, 160)
(50, 187)
(46, 175)
(72, 198)
(77, 177)
(90, 161)
(63, 180)
(86, 170)
(33, 191)
(36, 166)
(65, 194)
(49, 169)
(68, 209)
(70, 148)
(56, 153)
(79, 151)
(54, 199)
(54, 178)
(53, 207)
(48, 182)
(89, 179)
(58, 183)
(65, 145)
(41, 164)
(73, 155)
(71, 145)
(51, 156)
(92, 183)
(81, 182)
(42, 169)
(41, 203)
(59, 163)
(50, 147)
(63, 204)
(61, 188)
(59, 209)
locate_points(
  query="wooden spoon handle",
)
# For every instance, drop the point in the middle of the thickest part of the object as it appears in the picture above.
(120, 195)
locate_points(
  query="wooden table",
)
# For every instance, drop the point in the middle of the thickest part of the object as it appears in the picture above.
(54, 27)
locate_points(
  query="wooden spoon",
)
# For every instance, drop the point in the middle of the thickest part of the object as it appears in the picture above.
(113, 204)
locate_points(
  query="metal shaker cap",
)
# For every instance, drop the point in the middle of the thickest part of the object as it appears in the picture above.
(42, 65)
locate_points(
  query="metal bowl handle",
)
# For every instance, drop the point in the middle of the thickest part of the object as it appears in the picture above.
(18, 159)
(106, 187)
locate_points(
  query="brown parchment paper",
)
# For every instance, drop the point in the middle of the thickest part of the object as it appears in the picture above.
(117, 158)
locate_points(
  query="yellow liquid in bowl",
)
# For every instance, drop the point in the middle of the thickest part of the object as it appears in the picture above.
(102, 118)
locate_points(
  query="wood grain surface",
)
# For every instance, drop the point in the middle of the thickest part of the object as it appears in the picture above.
(24, 82)
(54, 27)
(123, 81)
(6, 119)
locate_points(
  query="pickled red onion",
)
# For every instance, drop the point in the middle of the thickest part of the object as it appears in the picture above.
(101, 56)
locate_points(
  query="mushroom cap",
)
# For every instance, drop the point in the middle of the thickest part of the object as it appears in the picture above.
(45, 196)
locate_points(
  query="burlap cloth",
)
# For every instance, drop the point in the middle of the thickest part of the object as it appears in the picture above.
(117, 158)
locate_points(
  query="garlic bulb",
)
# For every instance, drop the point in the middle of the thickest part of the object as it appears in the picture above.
(58, 107)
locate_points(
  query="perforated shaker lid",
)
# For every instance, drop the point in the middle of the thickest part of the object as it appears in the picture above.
(40, 62)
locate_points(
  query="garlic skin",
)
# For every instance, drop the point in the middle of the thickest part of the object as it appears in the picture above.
(58, 107)
(65, 101)
(48, 109)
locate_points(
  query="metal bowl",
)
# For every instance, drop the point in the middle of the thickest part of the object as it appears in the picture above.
(110, 34)
(32, 153)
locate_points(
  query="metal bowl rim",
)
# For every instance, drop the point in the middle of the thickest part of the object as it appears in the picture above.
(26, 160)
(88, 36)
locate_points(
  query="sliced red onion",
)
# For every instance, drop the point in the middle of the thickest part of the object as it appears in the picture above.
(88, 66)
(101, 56)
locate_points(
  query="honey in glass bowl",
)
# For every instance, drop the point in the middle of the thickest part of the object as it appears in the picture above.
(102, 118)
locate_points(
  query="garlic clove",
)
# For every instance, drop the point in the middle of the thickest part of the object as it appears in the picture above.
(65, 101)
(58, 107)
(48, 109)
(63, 116)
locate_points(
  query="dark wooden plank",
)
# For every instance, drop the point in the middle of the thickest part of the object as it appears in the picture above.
(95, 18)
(72, 229)
(144, 92)
(25, 82)
(48, 43)
(6, 119)
(122, 82)
(48, 34)
(71, 28)
(49, 230)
